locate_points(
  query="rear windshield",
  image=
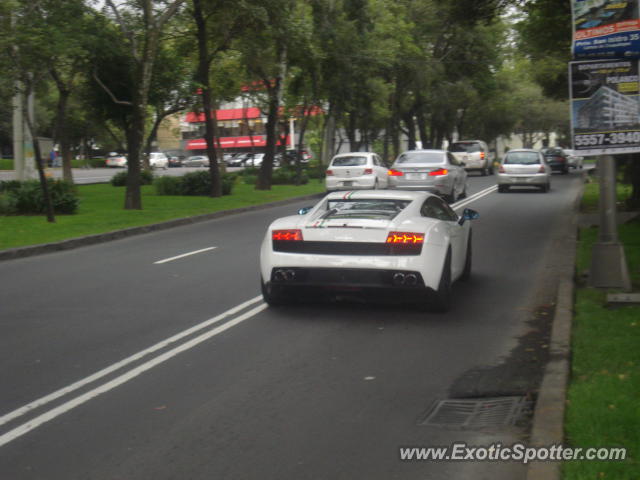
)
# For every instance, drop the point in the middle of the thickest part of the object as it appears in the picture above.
(375, 208)
(421, 157)
(522, 158)
(349, 161)
(553, 152)
(468, 147)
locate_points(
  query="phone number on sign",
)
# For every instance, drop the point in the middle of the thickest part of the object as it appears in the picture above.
(607, 139)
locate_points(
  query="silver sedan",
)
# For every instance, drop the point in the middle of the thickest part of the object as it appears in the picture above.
(524, 168)
(435, 171)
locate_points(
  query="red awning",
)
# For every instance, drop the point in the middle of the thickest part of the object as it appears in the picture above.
(228, 114)
(232, 142)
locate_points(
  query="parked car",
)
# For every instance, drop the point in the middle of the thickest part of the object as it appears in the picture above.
(253, 159)
(196, 161)
(575, 159)
(158, 160)
(115, 160)
(435, 171)
(409, 246)
(524, 167)
(356, 171)
(557, 159)
(475, 154)
(174, 161)
(237, 160)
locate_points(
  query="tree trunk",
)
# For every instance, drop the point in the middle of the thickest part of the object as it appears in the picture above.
(210, 123)
(411, 130)
(275, 92)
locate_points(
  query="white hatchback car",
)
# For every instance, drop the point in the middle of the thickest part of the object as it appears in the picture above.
(158, 160)
(356, 171)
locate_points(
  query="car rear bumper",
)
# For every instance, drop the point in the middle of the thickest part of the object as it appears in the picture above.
(534, 179)
(397, 284)
(364, 182)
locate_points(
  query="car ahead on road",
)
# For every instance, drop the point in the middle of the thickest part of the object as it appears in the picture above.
(115, 160)
(158, 160)
(475, 155)
(410, 246)
(575, 159)
(253, 159)
(196, 161)
(435, 171)
(237, 160)
(524, 168)
(557, 159)
(356, 171)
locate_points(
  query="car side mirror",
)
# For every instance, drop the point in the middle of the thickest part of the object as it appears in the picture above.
(304, 210)
(462, 164)
(468, 214)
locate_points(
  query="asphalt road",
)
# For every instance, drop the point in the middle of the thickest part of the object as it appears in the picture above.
(312, 391)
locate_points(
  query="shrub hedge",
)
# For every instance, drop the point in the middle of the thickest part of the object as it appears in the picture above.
(192, 184)
(120, 178)
(25, 198)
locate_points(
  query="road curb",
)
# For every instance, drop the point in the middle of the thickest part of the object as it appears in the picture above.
(32, 250)
(548, 417)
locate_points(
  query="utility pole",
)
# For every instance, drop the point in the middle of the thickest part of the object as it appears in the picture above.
(608, 262)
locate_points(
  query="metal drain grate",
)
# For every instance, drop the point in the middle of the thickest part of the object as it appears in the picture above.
(476, 413)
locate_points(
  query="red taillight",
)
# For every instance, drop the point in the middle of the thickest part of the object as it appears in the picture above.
(368, 171)
(394, 173)
(287, 235)
(328, 173)
(501, 169)
(482, 155)
(405, 238)
(541, 169)
(439, 172)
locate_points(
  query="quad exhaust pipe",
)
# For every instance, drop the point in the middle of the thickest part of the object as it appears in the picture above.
(408, 279)
(282, 275)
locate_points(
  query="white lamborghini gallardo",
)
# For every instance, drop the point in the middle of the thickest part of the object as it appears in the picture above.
(410, 245)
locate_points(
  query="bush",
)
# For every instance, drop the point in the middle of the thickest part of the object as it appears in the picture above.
(168, 185)
(250, 179)
(120, 178)
(25, 198)
(287, 176)
(192, 184)
(7, 204)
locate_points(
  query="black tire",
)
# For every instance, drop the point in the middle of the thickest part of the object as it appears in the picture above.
(270, 296)
(466, 273)
(545, 188)
(464, 192)
(442, 298)
(503, 189)
(565, 171)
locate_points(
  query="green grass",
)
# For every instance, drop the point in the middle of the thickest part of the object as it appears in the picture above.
(604, 395)
(6, 164)
(591, 195)
(101, 211)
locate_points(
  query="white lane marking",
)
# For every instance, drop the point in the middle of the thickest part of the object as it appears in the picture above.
(110, 385)
(473, 198)
(122, 363)
(183, 255)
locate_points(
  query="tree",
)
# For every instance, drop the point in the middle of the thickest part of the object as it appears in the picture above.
(141, 25)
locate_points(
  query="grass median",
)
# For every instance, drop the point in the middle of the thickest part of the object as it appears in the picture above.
(101, 210)
(603, 401)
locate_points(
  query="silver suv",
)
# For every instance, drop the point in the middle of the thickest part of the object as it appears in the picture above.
(474, 154)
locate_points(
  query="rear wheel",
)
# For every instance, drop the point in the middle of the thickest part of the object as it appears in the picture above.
(272, 297)
(442, 298)
(503, 189)
(466, 273)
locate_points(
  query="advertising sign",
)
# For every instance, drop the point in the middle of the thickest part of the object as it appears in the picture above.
(605, 29)
(605, 106)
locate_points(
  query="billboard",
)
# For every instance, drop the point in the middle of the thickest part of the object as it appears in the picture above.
(605, 29)
(605, 106)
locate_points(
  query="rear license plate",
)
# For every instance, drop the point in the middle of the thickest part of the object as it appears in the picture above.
(347, 184)
(416, 176)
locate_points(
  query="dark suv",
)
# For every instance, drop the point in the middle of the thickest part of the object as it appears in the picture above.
(557, 159)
